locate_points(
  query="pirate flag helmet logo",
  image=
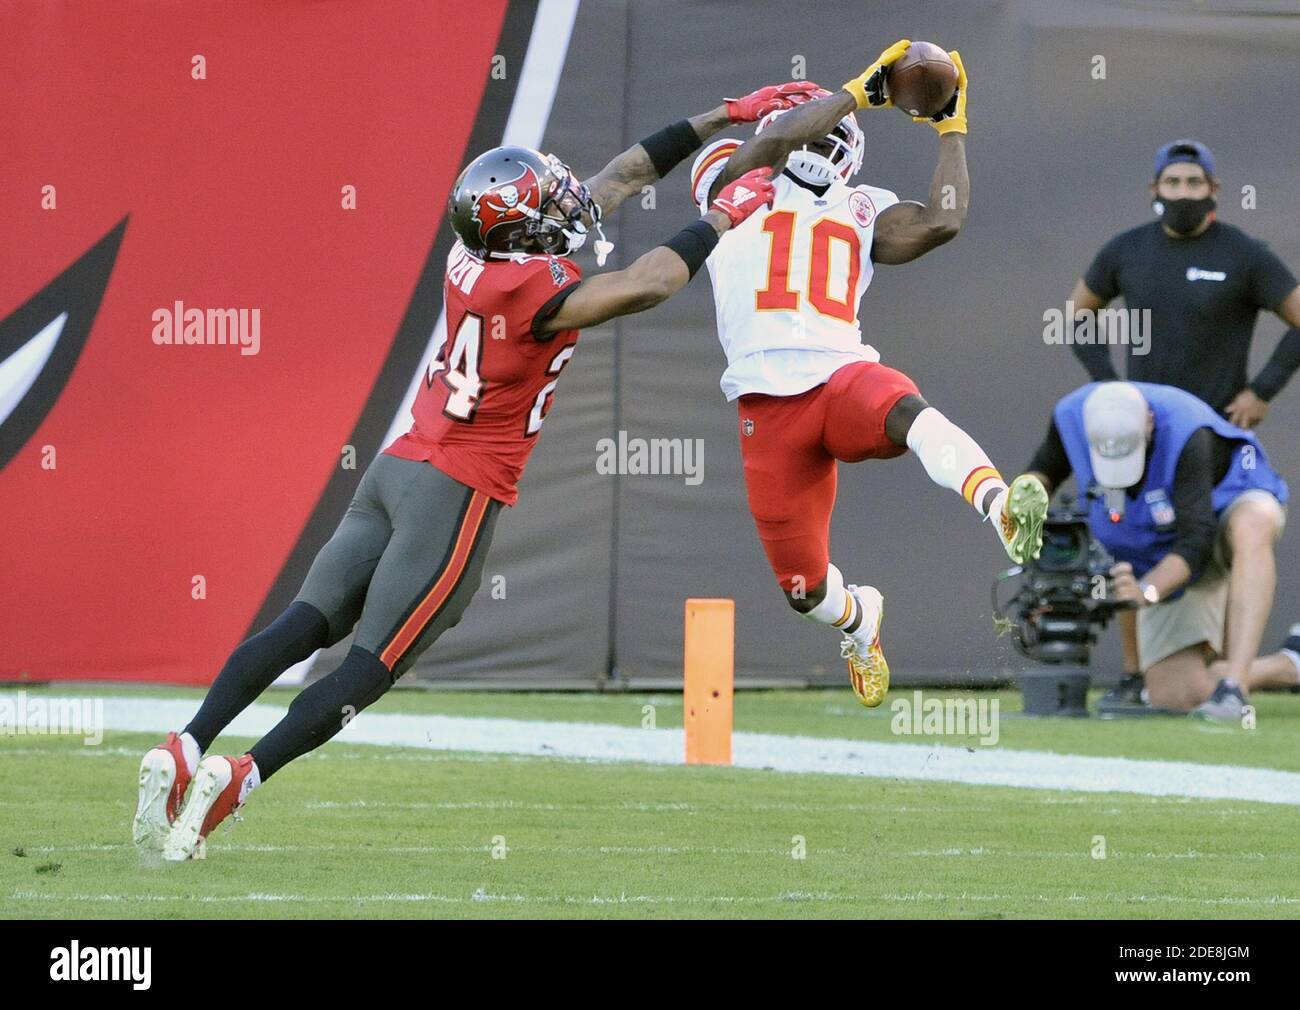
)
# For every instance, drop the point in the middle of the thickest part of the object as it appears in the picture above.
(514, 200)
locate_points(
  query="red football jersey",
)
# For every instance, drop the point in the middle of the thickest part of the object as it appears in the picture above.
(487, 390)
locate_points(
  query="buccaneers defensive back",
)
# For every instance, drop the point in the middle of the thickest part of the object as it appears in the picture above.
(409, 553)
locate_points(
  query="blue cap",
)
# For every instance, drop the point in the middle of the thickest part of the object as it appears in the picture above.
(1184, 150)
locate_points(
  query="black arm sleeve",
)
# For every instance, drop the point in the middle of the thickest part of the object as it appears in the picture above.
(693, 244)
(1280, 367)
(1201, 465)
(673, 144)
(1050, 460)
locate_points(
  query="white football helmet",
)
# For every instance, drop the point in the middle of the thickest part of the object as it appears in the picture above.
(818, 170)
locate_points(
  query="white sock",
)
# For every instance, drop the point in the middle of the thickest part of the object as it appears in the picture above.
(190, 748)
(251, 781)
(839, 607)
(952, 458)
(871, 602)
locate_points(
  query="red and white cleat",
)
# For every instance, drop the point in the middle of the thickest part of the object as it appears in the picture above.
(221, 785)
(164, 777)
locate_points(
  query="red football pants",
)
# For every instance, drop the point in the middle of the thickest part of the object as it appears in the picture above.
(790, 445)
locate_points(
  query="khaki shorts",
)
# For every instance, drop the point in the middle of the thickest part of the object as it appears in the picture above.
(1200, 614)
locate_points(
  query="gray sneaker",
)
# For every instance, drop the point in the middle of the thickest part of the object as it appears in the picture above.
(1224, 705)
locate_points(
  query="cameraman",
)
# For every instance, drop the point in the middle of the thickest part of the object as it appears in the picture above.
(1189, 502)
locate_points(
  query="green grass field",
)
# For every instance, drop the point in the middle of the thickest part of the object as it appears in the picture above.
(364, 831)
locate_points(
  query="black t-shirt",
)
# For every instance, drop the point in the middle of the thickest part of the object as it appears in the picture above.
(1204, 294)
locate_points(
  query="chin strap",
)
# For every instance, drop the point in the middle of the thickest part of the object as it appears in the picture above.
(602, 246)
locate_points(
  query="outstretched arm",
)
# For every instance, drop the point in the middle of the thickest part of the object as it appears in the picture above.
(810, 122)
(653, 158)
(634, 169)
(664, 270)
(910, 229)
(813, 120)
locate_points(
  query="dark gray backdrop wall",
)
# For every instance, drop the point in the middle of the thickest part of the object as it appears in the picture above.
(595, 568)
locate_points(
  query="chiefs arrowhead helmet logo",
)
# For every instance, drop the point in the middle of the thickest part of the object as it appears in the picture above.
(508, 203)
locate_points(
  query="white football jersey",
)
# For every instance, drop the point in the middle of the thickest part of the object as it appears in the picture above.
(787, 282)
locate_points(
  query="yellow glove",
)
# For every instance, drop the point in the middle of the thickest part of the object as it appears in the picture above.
(869, 89)
(952, 117)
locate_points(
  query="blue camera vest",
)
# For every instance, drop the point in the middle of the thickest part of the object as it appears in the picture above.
(1145, 533)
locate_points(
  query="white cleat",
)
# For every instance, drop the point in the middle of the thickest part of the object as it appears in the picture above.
(220, 787)
(164, 777)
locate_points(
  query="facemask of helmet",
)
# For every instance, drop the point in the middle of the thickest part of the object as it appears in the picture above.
(560, 225)
(843, 161)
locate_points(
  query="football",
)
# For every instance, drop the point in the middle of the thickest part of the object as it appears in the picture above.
(922, 80)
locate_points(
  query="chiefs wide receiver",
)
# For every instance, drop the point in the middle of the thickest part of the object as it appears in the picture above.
(810, 393)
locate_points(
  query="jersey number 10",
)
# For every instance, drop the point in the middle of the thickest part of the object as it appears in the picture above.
(778, 293)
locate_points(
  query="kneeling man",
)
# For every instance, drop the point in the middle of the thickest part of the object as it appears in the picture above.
(1190, 509)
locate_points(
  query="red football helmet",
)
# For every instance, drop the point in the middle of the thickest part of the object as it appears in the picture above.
(514, 200)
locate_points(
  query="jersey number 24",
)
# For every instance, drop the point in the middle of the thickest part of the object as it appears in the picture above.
(459, 368)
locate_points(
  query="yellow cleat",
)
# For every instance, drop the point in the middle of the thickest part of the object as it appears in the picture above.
(1023, 512)
(868, 669)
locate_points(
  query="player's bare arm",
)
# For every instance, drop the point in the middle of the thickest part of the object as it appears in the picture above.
(809, 123)
(663, 271)
(812, 122)
(653, 158)
(910, 229)
(635, 168)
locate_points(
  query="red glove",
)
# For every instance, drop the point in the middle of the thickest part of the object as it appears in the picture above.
(741, 197)
(755, 106)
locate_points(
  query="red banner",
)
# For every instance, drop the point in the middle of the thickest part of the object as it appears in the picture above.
(216, 221)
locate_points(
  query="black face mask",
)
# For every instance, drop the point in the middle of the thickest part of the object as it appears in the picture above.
(1183, 216)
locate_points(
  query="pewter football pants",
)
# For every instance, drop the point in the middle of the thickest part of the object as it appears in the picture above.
(401, 567)
(404, 561)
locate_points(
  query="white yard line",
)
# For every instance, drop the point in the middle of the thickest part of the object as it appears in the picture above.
(483, 896)
(1000, 766)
